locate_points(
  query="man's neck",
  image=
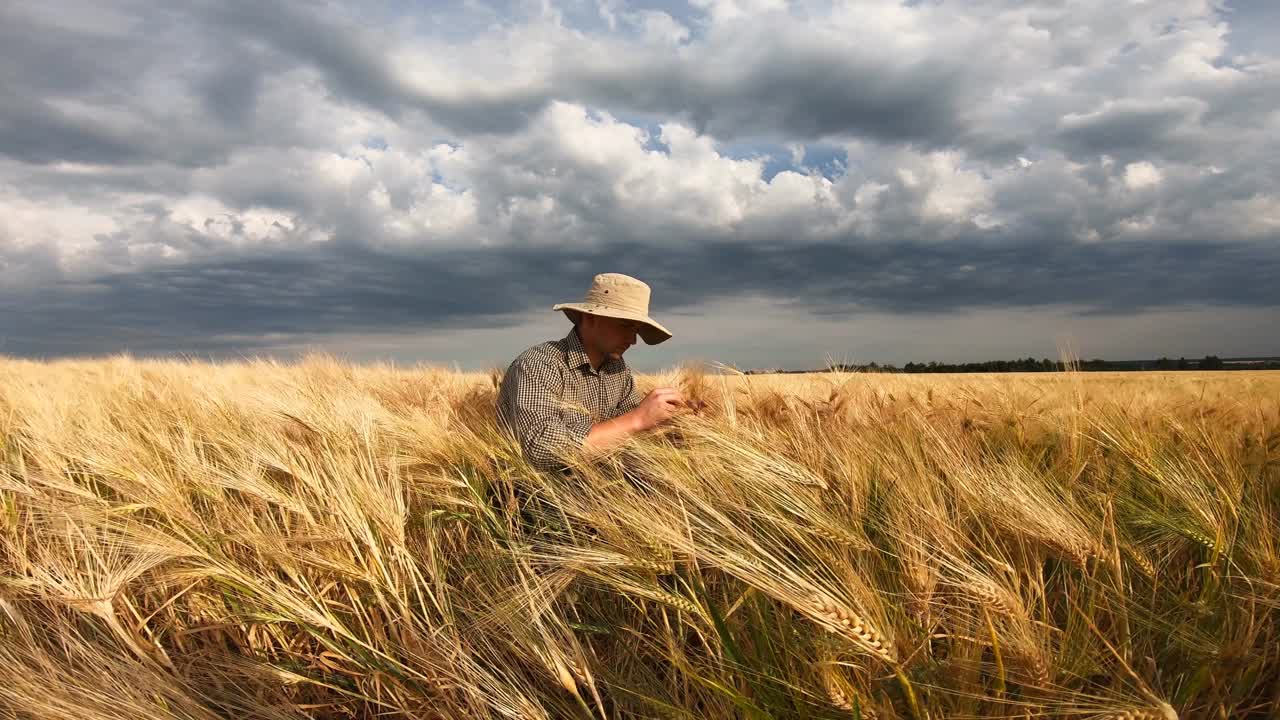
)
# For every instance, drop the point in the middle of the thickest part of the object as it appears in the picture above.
(596, 358)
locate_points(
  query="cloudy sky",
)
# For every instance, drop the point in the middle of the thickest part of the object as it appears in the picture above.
(797, 181)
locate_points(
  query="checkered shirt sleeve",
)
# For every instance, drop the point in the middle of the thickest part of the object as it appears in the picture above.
(529, 405)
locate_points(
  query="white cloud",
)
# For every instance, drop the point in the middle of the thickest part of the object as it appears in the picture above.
(722, 10)
(958, 194)
(659, 28)
(1141, 175)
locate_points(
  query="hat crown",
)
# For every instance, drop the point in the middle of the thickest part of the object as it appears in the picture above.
(622, 292)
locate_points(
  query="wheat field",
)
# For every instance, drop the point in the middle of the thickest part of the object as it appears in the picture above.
(319, 539)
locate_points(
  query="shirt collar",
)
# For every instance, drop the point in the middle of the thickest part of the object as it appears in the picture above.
(576, 355)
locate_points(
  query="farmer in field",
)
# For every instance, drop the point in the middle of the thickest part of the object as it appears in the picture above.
(577, 392)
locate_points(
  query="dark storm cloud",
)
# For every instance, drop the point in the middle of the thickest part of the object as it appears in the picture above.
(1127, 129)
(43, 63)
(909, 277)
(33, 131)
(119, 95)
(239, 305)
(355, 66)
(795, 92)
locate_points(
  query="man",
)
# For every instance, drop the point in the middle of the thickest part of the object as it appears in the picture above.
(577, 393)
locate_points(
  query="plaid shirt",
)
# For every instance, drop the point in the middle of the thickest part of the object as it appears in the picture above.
(551, 396)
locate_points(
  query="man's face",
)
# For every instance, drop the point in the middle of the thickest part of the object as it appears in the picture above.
(610, 336)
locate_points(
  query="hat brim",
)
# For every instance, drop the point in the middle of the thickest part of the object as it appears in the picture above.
(652, 333)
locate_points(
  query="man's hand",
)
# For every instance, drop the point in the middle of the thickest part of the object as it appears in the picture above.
(658, 407)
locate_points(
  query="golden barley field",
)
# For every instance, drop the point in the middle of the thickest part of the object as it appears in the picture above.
(323, 540)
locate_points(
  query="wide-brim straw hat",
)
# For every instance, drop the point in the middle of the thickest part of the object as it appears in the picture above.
(619, 296)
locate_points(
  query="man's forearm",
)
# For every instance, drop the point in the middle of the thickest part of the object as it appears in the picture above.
(611, 432)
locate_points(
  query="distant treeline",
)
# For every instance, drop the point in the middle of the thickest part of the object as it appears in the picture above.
(1209, 362)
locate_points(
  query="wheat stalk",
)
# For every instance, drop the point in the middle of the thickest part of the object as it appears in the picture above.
(1140, 560)
(852, 625)
(1161, 712)
(839, 698)
(989, 594)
